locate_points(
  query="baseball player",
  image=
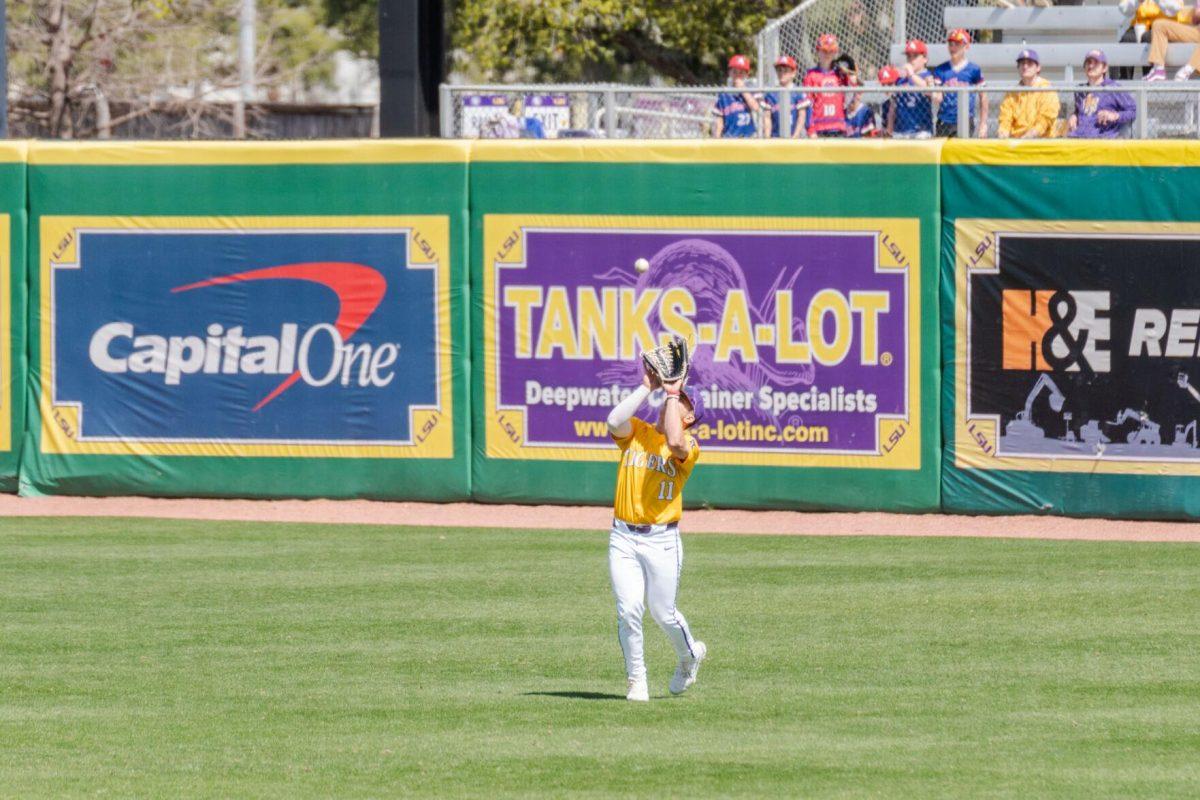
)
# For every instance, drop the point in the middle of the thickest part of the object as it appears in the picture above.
(735, 110)
(645, 553)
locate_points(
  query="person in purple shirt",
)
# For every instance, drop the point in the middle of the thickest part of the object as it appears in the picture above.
(1100, 115)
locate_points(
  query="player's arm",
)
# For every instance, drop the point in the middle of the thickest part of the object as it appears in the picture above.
(673, 421)
(619, 425)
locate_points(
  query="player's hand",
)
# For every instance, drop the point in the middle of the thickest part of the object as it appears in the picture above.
(672, 387)
(1107, 117)
(650, 380)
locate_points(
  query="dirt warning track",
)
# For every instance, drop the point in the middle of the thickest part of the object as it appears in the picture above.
(369, 512)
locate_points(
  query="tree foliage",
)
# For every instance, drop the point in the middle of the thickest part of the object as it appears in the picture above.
(68, 55)
(599, 40)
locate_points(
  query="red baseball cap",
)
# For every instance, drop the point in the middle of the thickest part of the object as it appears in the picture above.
(959, 35)
(915, 47)
(888, 75)
(786, 61)
(739, 62)
(827, 42)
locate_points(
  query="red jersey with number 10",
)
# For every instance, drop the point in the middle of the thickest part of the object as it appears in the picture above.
(828, 108)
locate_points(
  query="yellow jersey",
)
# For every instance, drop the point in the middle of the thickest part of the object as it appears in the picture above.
(649, 479)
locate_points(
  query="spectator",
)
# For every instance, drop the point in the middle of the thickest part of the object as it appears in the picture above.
(888, 76)
(735, 110)
(860, 117)
(512, 124)
(827, 117)
(1163, 32)
(912, 112)
(1100, 115)
(785, 70)
(958, 71)
(1029, 115)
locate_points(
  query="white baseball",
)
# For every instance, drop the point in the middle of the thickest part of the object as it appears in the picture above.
(641, 265)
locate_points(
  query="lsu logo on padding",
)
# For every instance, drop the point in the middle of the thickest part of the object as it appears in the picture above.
(317, 341)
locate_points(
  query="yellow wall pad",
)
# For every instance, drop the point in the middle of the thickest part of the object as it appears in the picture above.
(1073, 153)
(713, 151)
(345, 151)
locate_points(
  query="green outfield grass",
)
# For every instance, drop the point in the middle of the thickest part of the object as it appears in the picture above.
(168, 659)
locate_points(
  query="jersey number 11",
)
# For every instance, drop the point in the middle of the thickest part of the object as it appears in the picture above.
(666, 490)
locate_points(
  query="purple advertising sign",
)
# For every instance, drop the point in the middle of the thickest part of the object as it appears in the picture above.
(800, 338)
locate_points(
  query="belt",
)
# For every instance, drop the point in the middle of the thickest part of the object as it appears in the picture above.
(669, 526)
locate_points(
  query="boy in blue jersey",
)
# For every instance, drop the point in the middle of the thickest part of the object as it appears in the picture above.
(785, 70)
(958, 71)
(911, 113)
(735, 110)
(888, 75)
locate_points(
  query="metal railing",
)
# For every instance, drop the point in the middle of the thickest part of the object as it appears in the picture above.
(1166, 110)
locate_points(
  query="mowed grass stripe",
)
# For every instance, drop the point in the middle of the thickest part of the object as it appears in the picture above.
(163, 658)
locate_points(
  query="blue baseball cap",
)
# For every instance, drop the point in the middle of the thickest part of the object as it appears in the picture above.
(1029, 55)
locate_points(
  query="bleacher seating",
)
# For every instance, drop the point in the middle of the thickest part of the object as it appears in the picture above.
(1061, 35)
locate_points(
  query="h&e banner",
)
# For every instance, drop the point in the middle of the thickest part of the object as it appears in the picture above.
(1077, 345)
(805, 334)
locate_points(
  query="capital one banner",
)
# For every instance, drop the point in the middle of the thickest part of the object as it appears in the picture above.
(271, 336)
(1078, 346)
(804, 334)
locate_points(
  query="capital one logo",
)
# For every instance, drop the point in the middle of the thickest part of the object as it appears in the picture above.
(359, 290)
(1055, 330)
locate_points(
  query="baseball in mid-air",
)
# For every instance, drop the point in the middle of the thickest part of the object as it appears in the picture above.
(641, 265)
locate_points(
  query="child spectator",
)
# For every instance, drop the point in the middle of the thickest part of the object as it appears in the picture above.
(1100, 115)
(827, 118)
(785, 70)
(912, 112)
(735, 110)
(860, 117)
(958, 71)
(888, 75)
(1028, 115)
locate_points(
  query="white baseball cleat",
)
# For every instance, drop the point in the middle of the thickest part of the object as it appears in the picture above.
(689, 666)
(638, 690)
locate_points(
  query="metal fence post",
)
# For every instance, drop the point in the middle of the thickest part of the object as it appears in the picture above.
(610, 114)
(899, 21)
(785, 112)
(447, 112)
(1142, 116)
(964, 113)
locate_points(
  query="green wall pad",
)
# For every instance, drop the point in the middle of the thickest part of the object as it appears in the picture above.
(804, 277)
(251, 320)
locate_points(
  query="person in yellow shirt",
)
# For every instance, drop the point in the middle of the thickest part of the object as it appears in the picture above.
(1028, 115)
(645, 553)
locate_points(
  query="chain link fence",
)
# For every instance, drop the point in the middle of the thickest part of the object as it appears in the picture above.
(1145, 111)
(866, 30)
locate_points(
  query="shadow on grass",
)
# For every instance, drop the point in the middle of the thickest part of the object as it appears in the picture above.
(577, 695)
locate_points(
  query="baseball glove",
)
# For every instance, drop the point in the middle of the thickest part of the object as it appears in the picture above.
(670, 362)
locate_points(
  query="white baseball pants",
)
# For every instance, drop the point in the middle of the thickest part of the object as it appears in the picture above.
(645, 569)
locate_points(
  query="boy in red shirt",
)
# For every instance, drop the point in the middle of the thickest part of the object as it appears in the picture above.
(828, 115)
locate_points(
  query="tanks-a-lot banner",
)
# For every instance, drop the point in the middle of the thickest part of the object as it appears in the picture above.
(803, 311)
(12, 310)
(270, 321)
(1073, 329)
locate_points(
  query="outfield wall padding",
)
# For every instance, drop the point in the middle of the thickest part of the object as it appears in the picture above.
(805, 276)
(251, 320)
(13, 226)
(1070, 320)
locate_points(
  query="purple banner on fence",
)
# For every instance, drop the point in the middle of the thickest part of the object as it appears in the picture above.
(800, 337)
